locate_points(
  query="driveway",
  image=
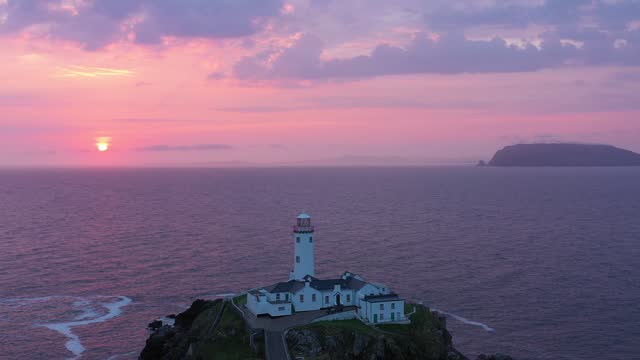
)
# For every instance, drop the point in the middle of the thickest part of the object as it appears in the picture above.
(275, 327)
(274, 345)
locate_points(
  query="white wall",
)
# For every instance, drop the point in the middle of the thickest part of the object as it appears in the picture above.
(304, 250)
(369, 310)
(259, 305)
(279, 309)
(308, 304)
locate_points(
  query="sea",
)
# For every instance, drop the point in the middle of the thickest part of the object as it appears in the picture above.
(537, 263)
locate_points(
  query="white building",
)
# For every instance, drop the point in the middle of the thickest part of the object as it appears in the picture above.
(373, 303)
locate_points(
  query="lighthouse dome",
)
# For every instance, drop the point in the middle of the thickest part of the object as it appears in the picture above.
(304, 216)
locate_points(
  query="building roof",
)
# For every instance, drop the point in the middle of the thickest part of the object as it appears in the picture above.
(346, 282)
(292, 286)
(304, 216)
(282, 287)
(382, 298)
(328, 284)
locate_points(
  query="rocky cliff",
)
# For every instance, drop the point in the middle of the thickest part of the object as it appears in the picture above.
(215, 330)
(207, 330)
(425, 338)
(564, 155)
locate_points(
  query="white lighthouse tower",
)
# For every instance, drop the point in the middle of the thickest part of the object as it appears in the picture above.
(303, 261)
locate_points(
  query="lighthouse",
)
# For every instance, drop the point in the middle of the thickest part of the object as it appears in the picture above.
(303, 261)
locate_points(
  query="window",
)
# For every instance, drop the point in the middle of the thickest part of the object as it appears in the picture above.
(310, 239)
(348, 298)
(286, 297)
(281, 308)
(278, 297)
(381, 316)
(301, 298)
(297, 259)
(326, 299)
(393, 306)
(313, 297)
(398, 315)
(381, 306)
(297, 239)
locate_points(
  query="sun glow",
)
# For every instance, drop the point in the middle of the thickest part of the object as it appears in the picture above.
(102, 143)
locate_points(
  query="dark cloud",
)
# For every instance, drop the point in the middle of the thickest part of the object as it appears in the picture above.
(196, 147)
(216, 75)
(562, 13)
(100, 22)
(451, 54)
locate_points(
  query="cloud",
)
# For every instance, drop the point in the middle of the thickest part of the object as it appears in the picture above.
(196, 147)
(93, 72)
(10, 99)
(354, 102)
(451, 53)
(605, 14)
(96, 23)
(216, 75)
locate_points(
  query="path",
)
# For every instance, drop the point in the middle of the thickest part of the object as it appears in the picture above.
(274, 329)
(274, 345)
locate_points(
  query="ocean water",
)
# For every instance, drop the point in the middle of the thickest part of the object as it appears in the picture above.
(536, 263)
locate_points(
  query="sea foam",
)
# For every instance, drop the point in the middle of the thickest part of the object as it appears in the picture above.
(466, 321)
(73, 343)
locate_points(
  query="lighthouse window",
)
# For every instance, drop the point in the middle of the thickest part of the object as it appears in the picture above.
(326, 299)
(301, 298)
(348, 298)
(297, 259)
(393, 306)
(313, 297)
(310, 239)
(297, 239)
(381, 306)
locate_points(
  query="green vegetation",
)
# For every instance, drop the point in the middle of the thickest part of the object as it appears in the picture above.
(336, 326)
(230, 339)
(426, 337)
(240, 300)
(204, 331)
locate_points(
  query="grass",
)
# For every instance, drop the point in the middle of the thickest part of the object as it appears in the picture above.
(335, 326)
(240, 300)
(230, 341)
(203, 321)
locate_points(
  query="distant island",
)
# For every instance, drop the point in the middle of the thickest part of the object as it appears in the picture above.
(563, 155)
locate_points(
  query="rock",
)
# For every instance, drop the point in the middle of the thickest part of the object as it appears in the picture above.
(564, 155)
(154, 325)
(482, 163)
(426, 338)
(497, 356)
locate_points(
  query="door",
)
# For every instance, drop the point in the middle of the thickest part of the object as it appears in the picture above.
(338, 299)
(375, 318)
(393, 316)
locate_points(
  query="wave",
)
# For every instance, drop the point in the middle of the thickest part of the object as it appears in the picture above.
(88, 316)
(465, 320)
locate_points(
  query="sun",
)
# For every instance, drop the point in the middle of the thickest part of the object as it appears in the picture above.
(102, 146)
(102, 143)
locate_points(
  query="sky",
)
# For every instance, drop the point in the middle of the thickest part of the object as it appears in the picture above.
(311, 82)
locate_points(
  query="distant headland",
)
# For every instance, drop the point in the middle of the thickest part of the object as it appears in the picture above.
(563, 155)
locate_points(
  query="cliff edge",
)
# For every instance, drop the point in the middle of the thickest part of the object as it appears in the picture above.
(215, 330)
(564, 155)
(426, 338)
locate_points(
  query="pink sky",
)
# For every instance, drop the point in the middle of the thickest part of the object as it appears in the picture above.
(311, 81)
